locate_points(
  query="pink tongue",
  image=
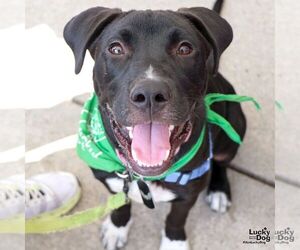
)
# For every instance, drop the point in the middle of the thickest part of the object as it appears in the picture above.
(150, 143)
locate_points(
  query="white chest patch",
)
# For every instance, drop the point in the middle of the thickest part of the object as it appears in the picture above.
(159, 194)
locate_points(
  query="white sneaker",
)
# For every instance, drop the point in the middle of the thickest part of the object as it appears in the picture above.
(12, 198)
(51, 194)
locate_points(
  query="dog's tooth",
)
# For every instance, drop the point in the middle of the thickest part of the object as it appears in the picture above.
(144, 164)
(137, 160)
(177, 150)
(171, 128)
(188, 137)
(108, 107)
(134, 156)
(141, 163)
(130, 134)
(167, 155)
(130, 129)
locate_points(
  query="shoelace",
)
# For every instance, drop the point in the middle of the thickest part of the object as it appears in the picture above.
(33, 194)
(38, 196)
(10, 193)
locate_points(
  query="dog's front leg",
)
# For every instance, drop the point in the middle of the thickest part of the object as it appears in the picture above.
(115, 228)
(174, 237)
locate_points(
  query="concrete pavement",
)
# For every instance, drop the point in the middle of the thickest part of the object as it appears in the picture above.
(250, 65)
(253, 201)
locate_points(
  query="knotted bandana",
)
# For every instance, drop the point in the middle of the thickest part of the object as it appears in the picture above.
(94, 148)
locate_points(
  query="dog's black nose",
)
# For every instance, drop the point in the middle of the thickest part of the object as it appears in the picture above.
(150, 94)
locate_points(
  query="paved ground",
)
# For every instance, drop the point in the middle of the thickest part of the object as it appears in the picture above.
(253, 201)
(236, 223)
(250, 64)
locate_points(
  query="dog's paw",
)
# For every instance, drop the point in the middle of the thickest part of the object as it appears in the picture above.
(113, 237)
(218, 201)
(167, 244)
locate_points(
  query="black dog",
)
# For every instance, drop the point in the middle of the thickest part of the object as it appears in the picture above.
(152, 71)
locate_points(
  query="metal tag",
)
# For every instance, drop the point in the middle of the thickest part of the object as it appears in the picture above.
(145, 194)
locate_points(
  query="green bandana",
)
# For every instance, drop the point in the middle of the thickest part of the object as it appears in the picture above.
(51, 223)
(94, 148)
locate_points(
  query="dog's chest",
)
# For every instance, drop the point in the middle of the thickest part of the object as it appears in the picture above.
(159, 193)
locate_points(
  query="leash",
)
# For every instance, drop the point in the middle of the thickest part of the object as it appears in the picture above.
(94, 148)
(52, 224)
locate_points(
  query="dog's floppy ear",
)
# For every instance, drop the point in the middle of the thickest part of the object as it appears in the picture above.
(83, 29)
(214, 28)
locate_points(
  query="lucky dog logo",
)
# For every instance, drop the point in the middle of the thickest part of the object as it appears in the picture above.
(284, 236)
(258, 236)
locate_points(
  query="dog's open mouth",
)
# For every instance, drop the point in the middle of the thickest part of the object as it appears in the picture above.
(149, 149)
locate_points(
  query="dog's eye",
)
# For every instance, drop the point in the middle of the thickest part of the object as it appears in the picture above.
(116, 49)
(184, 49)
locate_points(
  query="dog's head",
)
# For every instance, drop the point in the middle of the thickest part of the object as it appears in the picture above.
(150, 75)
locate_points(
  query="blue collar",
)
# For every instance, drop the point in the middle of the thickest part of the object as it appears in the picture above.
(182, 178)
